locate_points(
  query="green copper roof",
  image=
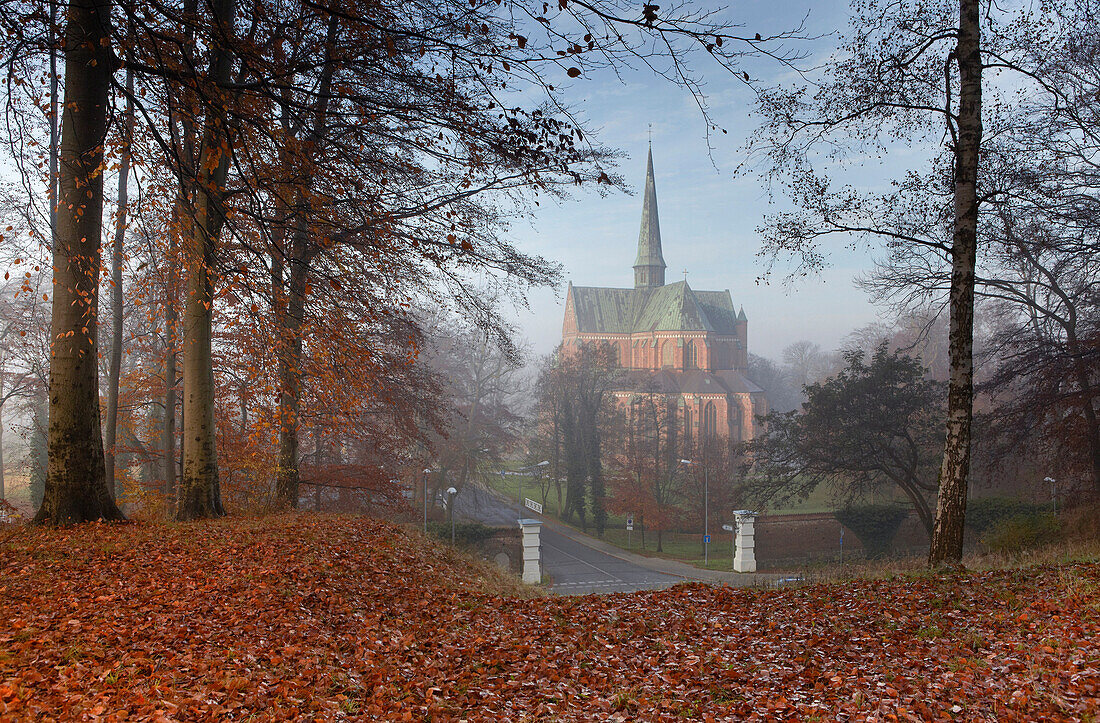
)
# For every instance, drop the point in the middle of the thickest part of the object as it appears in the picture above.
(675, 307)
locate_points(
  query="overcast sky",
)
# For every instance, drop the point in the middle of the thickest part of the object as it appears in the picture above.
(708, 215)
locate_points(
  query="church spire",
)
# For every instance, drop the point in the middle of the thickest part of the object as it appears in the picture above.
(649, 267)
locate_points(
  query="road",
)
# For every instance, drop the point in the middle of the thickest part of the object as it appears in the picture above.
(574, 568)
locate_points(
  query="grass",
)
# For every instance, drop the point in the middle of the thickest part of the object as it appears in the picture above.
(1057, 554)
(17, 491)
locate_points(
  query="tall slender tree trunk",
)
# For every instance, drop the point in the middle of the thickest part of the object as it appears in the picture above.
(200, 491)
(3, 493)
(171, 324)
(114, 372)
(76, 488)
(947, 533)
(288, 479)
(55, 145)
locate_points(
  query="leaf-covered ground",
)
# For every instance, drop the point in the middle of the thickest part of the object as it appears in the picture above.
(327, 618)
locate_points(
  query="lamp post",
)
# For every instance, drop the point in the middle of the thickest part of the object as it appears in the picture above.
(733, 544)
(451, 492)
(522, 472)
(1053, 492)
(706, 511)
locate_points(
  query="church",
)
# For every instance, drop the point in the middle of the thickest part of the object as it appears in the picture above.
(688, 345)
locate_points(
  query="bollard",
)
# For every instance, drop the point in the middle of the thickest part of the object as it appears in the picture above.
(744, 560)
(532, 551)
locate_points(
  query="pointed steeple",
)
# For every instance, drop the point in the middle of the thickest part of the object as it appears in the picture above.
(649, 267)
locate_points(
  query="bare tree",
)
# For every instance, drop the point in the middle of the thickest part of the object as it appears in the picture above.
(911, 72)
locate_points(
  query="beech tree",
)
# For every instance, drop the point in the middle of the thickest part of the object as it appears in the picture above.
(911, 73)
(76, 484)
(389, 140)
(580, 417)
(648, 476)
(875, 424)
(1038, 238)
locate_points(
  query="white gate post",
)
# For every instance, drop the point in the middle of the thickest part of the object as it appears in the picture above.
(744, 560)
(532, 551)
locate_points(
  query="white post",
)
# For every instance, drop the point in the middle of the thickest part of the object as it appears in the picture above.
(744, 559)
(532, 551)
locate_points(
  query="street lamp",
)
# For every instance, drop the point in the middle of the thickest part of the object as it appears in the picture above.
(451, 491)
(1053, 492)
(706, 511)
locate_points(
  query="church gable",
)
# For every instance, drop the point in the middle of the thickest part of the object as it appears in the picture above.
(671, 308)
(718, 308)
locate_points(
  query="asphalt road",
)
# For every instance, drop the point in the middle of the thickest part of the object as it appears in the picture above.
(573, 567)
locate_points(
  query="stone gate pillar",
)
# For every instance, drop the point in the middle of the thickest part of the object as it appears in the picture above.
(532, 551)
(744, 559)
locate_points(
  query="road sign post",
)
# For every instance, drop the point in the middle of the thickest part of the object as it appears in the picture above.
(733, 544)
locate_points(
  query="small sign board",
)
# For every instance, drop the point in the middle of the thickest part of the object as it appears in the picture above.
(531, 504)
(629, 523)
(706, 539)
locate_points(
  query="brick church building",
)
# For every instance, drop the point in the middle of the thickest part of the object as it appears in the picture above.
(669, 338)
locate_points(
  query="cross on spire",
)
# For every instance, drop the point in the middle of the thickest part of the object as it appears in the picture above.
(685, 274)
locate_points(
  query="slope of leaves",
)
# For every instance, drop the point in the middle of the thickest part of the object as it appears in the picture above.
(326, 618)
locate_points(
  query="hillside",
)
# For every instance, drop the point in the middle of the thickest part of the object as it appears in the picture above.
(325, 618)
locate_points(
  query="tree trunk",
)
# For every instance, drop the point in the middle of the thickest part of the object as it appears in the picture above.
(3, 494)
(200, 492)
(55, 145)
(76, 489)
(114, 372)
(288, 478)
(947, 534)
(171, 371)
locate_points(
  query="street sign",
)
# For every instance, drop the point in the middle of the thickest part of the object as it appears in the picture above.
(531, 504)
(727, 528)
(629, 523)
(706, 539)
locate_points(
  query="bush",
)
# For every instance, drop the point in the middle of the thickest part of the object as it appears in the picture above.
(467, 534)
(986, 513)
(874, 525)
(1020, 532)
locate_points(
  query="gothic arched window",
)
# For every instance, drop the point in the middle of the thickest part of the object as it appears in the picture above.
(736, 421)
(710, 421)
(690, 358)
(613, 352)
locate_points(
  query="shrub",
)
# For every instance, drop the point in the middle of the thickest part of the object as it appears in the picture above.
(985, 513)
(467, 534)
(1020, 532)
(874, 525)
